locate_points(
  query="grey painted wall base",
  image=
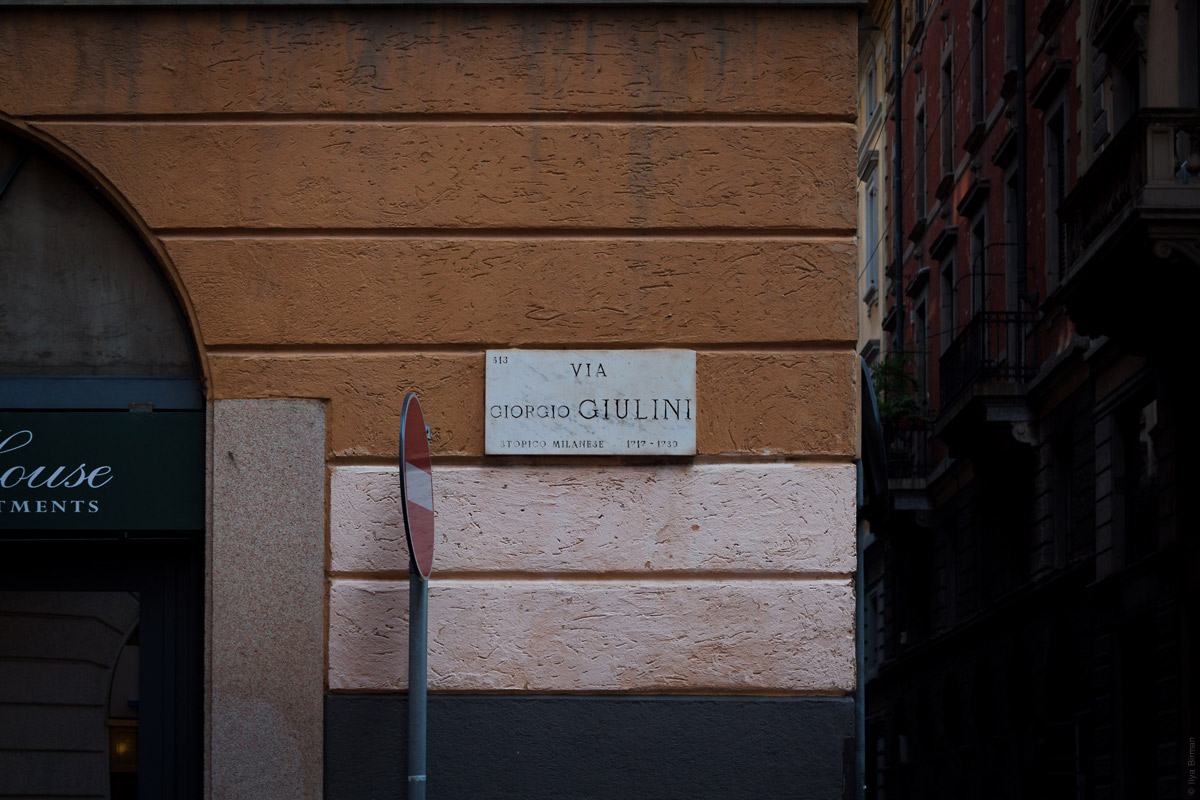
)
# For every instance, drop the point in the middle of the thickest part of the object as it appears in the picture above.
(267, 599)
(592, 747)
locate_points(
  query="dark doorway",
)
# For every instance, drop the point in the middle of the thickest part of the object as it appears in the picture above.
(72, 616)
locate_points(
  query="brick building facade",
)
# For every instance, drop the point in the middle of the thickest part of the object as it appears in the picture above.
(1028, 597)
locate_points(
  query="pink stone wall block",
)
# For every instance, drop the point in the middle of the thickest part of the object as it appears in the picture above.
(775, 636)
(723, 518)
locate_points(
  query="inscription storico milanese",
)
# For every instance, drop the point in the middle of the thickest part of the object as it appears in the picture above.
(591, 402)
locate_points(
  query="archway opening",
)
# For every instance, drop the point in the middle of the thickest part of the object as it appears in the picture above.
(102, 511)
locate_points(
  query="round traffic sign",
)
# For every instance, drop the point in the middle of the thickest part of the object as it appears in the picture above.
(416, 485)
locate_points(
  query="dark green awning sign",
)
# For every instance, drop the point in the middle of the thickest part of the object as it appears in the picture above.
(102, 470)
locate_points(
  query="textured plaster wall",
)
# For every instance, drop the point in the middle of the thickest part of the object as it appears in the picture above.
(452, 60)
(556, 635)
(358, 202)
(723, 577)
(744, 519)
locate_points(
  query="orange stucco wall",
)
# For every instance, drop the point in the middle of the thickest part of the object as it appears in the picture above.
(361, 201)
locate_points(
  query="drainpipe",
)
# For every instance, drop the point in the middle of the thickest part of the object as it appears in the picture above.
(860, 660)
(898, 178)
(1022, 213)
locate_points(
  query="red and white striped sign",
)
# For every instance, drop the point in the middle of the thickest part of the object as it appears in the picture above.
(416, 484)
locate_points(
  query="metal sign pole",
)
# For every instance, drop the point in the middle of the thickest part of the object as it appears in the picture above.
(418, 595)
(416, 491)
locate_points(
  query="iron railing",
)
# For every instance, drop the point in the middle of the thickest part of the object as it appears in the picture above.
(993, 347)
(910, 451)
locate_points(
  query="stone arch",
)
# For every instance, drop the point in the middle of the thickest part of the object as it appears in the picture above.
(89, 299)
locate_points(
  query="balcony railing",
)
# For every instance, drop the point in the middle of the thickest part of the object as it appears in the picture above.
(910, 451)
(1148, 166)
(994, 347)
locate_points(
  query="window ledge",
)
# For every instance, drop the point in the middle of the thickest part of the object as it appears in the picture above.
(974, 138)
(944, 186)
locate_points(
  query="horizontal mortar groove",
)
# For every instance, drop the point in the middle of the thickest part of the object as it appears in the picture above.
(317, 350)
(590, 462)
(663, 577)
(56, 660)
(808, 235)
(42, 704)
(716, 694)
(451, 118)
(61, 615)
(72, 750)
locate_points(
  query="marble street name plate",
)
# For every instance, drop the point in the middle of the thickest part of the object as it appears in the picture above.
(591, 402)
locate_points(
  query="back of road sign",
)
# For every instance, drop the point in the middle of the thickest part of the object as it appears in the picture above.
(416, 485)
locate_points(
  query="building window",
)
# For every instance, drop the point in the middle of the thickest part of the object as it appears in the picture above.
(1127, 90)
(947, 303)
(1012, 37)
(921, 352)
(873, 630)
(1011, 257)
(1062, 452)
(979, 271)
(871, 238)
(870, 94)
(947, 122)
(1056, 186)
(1014, 345)
(920, 190)
(978, 66)
(880, 764)
(1139, 480)
(1189, 53)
